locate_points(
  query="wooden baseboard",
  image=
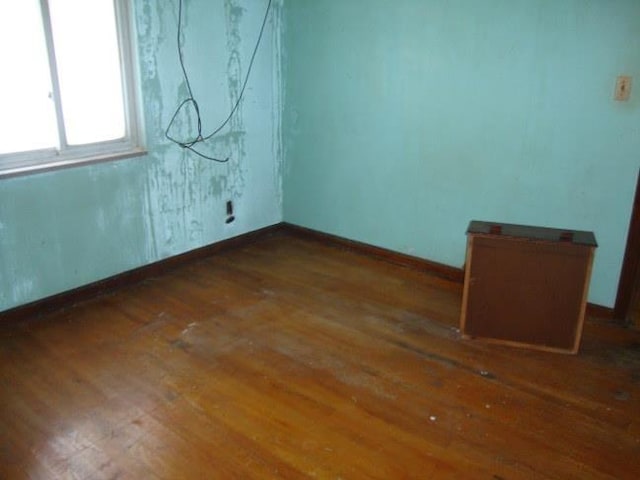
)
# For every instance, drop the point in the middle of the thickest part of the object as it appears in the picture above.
(124, 279)
(439, 269)
(601, 312)
(70, 297)
(435, 268)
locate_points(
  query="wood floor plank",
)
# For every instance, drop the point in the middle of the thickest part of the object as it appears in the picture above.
(289, 358)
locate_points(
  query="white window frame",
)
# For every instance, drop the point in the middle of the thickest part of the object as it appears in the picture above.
(71, 155)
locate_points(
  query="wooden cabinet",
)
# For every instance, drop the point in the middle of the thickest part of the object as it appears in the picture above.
(526, 286)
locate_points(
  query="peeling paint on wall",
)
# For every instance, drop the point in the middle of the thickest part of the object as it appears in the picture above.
(195, 184)
(235, 78)
(70, 227)
(278, 95)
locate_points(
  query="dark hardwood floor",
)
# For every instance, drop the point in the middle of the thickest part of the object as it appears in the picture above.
(287, 358)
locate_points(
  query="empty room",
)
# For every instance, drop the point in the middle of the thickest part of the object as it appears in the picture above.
(333, 239)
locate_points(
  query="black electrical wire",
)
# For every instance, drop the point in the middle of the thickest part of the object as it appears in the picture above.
(189, 144)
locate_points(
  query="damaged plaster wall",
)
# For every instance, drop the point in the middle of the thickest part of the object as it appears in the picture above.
(67, 228)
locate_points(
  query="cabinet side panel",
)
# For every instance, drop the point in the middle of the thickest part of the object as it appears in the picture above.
(465, 291)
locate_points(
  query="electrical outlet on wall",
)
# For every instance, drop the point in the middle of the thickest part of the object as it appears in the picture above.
(623, 88)
(229, 209)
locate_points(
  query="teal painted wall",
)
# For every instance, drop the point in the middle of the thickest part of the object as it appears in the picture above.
(403, 120)
(406, 119)
(63, 229)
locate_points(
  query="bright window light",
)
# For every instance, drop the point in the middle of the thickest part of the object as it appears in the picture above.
(27, 118)
(67, 89)
(86, 43)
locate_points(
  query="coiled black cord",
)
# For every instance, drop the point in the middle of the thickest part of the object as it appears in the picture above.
(190, 100)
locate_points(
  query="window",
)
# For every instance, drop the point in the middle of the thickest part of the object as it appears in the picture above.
(67, 88)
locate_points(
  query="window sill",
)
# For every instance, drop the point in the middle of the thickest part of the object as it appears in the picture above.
(48, 165)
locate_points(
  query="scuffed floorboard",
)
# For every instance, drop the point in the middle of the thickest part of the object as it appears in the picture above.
(291, 359)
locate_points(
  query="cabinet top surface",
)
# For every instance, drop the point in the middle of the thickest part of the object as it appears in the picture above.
(532, 233)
